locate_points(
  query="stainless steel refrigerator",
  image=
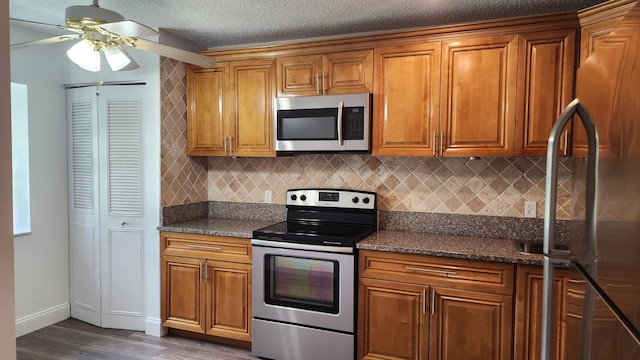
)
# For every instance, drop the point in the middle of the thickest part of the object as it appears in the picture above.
(604, 248)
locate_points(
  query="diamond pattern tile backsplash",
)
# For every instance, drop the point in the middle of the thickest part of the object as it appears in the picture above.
(183, 178)
(487, 186)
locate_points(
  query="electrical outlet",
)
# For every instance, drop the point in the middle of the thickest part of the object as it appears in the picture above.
(530, 209)
(267, 196)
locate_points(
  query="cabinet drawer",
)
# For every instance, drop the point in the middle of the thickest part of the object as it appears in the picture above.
(206, 247)
(429, 270)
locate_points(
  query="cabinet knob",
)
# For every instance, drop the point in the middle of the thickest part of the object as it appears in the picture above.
(123, 223)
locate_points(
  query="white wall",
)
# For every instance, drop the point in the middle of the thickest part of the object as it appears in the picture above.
(42, 258)
(7, 315)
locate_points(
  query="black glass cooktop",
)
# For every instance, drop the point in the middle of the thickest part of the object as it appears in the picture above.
(330, 234)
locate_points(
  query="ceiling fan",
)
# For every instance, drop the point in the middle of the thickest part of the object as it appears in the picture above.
(101, 30)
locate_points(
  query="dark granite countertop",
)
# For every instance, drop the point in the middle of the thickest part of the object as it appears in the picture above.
(462, 247)
(219, 227)
(454, 246)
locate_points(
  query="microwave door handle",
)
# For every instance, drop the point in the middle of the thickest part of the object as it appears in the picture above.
(340, 139)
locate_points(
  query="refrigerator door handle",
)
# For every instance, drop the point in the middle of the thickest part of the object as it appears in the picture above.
(552, 256)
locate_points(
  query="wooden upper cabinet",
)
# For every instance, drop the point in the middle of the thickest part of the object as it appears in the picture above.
(478, 96)
(607, 83)
(229, 109)
(298, 75)
(406, 100)
(545, 88)
(252, 90)
(598, 21)
(347, 72)
(592, 35)
(207, 115)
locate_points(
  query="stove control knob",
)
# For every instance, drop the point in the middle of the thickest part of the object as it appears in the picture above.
(355, 199)
(293, 197)
(303, 197)
(365, 200)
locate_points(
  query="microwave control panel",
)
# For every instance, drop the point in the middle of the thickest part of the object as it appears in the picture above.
(353, 123)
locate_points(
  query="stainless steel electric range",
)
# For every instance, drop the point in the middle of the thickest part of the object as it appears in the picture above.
(304, 275)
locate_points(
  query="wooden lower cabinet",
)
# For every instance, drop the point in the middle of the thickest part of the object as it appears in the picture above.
(568, 301)
(470, 325)
(393, 323)
(207, 296)
(415, 308)
(183, 294)
(228, 300)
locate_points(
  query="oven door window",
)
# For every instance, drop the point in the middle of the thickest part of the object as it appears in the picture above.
(303, 283)
(308, 124)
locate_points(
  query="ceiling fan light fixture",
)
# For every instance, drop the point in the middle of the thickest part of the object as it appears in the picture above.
(116, 56)
(85, 55)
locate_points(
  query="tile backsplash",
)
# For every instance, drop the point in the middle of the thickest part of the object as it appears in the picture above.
(182, 178)
(486, 186)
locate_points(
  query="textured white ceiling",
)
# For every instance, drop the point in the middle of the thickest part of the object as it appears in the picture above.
(221, 23)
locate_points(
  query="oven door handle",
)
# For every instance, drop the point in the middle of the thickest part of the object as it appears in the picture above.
(296, 246)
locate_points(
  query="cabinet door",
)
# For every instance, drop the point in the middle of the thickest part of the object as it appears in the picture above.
(470, 325)
(592, 35)
(229, 300)
(206, 110)
(251, 124)
(479, 96)
(183, 294)
(604, 84)
(299, 75)
(546, 88)
(392, 323)
(568, 301)
(406, 100)
(348, 72)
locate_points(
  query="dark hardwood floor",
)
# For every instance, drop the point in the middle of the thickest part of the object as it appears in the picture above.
(74, 339)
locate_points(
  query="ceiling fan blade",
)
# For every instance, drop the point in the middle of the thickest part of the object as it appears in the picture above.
(175, 53)
(132, 66)
(47, 41)
(59, 27)
(129, 28)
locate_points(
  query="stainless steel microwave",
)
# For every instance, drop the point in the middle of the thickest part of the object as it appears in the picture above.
(326, 123)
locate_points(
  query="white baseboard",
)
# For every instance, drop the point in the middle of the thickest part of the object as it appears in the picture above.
(153, 327)
(42, 319)
(39, 320)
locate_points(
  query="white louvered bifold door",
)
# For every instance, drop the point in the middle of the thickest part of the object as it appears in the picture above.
(106, 195)
(84, 211)
(122, 230)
